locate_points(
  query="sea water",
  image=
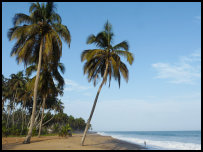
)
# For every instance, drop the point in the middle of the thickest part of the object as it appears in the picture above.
(163, 140)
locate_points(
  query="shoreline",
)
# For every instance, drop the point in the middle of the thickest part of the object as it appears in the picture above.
(93, 141)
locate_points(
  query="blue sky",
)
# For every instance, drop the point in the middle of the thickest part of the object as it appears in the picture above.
(164, 87)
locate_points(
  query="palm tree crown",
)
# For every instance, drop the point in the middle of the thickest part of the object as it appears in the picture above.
(42, 26)
(97, 59)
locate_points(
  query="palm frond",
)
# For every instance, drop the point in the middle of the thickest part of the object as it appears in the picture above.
(63, 31)
(123, 45)
(128, 55)
(22, 18)
(61, 67)
(55, 18)
(124, 71)
(49, 9)
(34, 6)
(31, 69)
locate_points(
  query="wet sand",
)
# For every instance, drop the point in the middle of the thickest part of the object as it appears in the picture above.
(92, 142)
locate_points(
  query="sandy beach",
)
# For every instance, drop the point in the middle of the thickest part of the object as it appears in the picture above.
(92, 142)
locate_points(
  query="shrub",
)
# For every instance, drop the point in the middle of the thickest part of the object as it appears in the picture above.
(5, 132)
(65, 130)
(34, 132)
(56, 128)
(24, 131)
(15, 131)
(44, 131)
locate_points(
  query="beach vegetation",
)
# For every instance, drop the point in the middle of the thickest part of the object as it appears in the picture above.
(16, 112)
(65, 131)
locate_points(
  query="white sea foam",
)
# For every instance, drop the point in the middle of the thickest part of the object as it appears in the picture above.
(155, 144)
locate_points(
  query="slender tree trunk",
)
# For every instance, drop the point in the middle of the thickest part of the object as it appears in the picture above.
(29, 135)
(36, 118)
(48, 121)
(94, 105)
(9, 110)
(40, 126)
(22, 120)
(13, 114)
(22, 123)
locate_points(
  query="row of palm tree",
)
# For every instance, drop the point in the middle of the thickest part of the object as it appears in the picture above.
(51, 121)
(16, 91)
(39, 46)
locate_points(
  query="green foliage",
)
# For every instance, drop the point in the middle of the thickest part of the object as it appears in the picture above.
(106, 57)
(5, 132)
(15, 131)
(34, 132)
(65, 131)
(44, 131)
(56, 128)
(24, 131)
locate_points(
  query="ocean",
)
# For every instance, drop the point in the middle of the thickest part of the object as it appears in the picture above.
(160, 140)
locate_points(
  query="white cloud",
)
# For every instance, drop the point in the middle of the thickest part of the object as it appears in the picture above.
(74, 86)
(186, 70)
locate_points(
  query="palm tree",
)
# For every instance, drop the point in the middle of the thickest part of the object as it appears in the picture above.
(25, 96)
(38, 40)
(16, 85)
(47, 84)
(105, 62)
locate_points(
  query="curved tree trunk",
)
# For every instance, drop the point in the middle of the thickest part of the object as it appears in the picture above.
(29, 135)
(48, 121)
(40, 126)
(94, 105)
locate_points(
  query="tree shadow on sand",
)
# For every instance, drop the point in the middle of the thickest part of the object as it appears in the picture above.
(20, 142)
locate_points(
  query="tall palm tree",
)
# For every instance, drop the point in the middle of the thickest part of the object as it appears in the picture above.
(104, 62)
(39, 39)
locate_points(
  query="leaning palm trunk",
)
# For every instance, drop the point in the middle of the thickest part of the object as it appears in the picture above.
(94, 105)
(28, 137)
(48, 121)
(40, 126)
